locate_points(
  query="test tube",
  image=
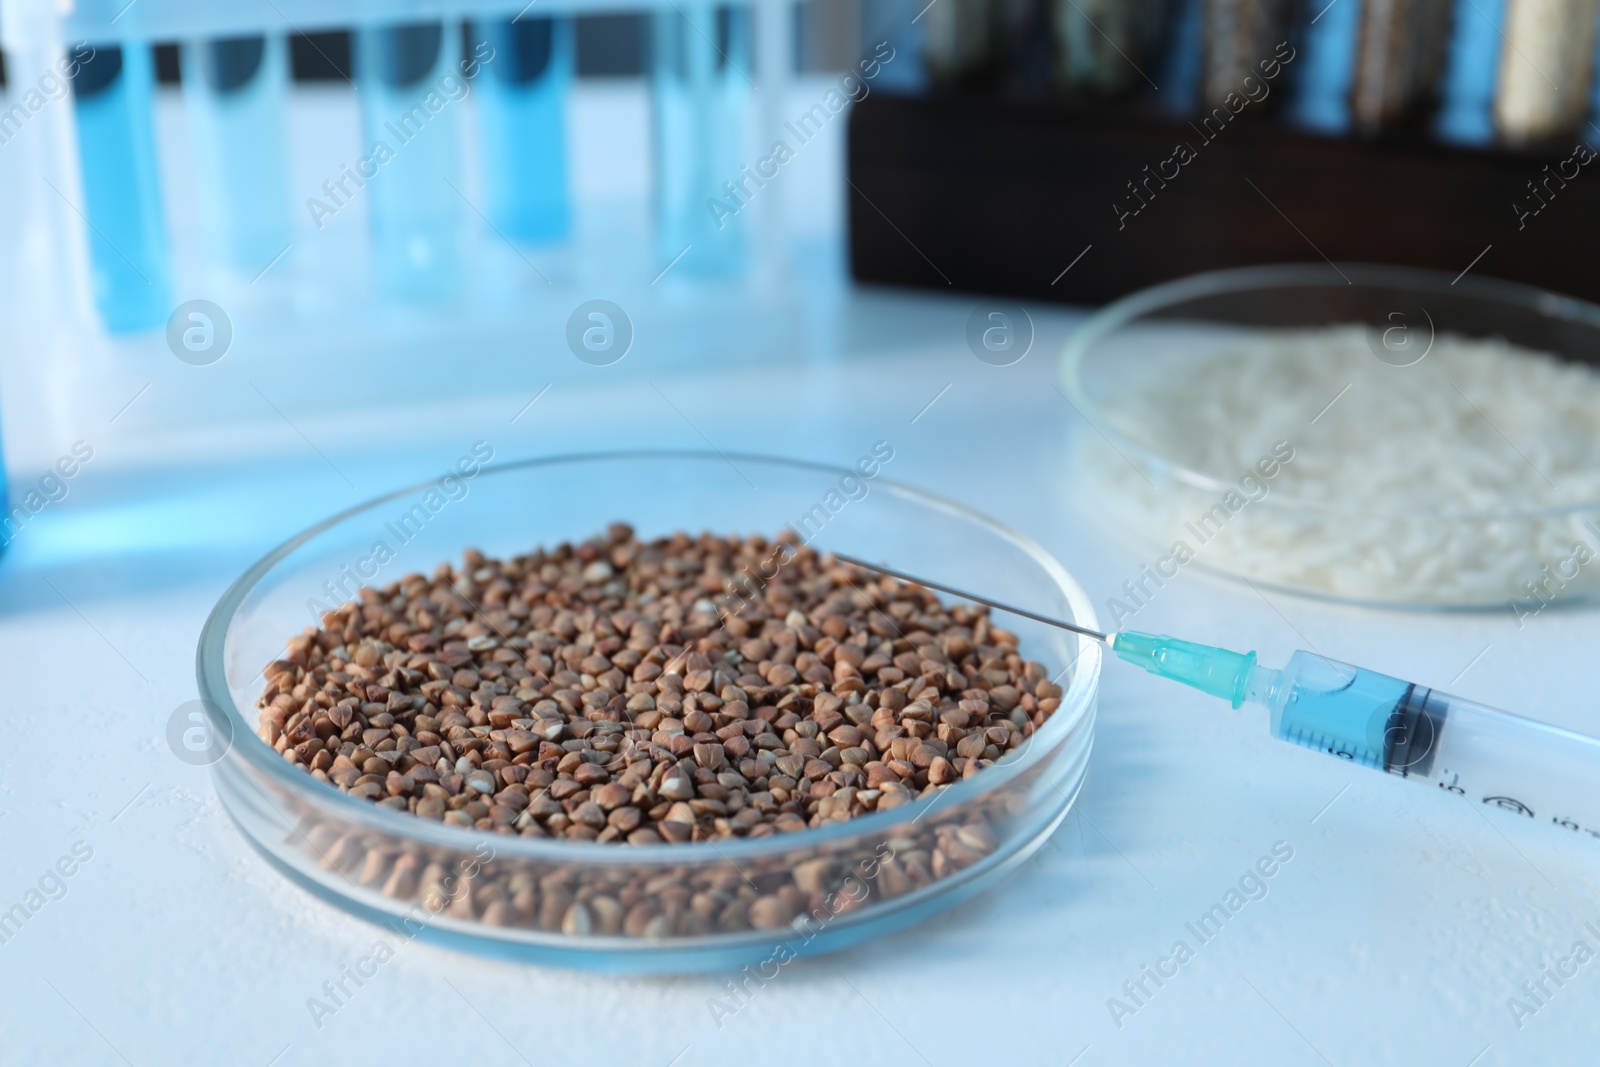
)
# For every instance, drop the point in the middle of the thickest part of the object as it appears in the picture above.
(700, 102)
(236, 90)
(113, 94)
(1544, 67)
(1399, 60)
(896, 23)
(412, 82)
(1101, 46)
(1182, 49)
(1591, 125)
(522, 113)
(1239, 35)
(1323, 71)
(1466, 102)
(961, 41)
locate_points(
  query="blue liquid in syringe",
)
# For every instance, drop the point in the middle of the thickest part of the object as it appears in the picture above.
(1491, 758)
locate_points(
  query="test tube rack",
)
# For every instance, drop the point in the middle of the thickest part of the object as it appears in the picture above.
(1049, 200)
(461, 262)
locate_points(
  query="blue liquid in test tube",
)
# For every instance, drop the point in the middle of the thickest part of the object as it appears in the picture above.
(113, 94)
(700, 97)
(1181, 78)
(522, 108)
(237, 91)
(412, 89)
(899, 24)
(1590, 134)
(1466, 110)
(1321, 97)
(8, 526)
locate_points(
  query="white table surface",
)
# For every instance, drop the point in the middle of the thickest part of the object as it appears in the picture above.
(1395, 934)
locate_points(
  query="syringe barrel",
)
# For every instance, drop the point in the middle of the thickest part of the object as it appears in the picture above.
(1488, 756)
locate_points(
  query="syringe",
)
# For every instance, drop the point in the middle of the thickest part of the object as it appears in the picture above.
(1491, 758)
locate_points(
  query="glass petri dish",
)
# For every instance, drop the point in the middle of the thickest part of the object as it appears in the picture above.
(1410, 530)
(862, 878)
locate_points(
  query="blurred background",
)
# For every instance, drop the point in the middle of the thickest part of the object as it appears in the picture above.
(335, 213)
(264, 260)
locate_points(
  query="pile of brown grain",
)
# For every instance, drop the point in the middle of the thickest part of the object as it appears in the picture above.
(617, 690)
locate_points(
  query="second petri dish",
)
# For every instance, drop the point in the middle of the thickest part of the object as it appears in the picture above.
(1373, 434)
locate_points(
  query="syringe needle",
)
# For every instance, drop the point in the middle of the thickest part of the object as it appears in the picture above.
(1212, 670)
(1533, 770)
(904, 577)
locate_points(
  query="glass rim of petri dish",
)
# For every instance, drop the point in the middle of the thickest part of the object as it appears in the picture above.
(1077, 700)
(1081, 349)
